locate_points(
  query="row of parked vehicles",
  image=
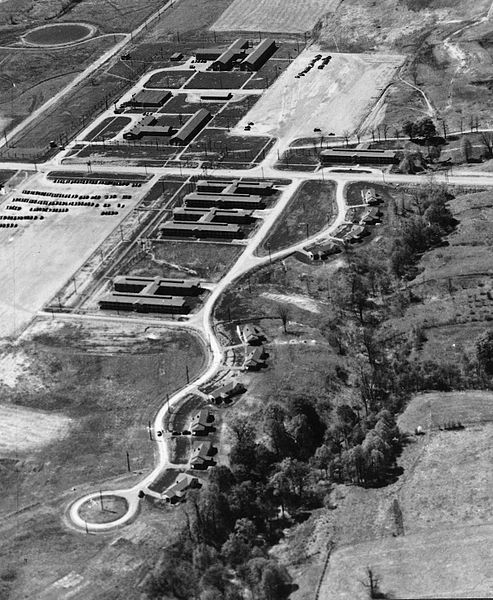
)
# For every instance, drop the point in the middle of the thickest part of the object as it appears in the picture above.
(315, 59)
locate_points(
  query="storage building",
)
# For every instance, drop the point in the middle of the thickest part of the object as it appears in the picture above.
(195, 124)
(150, 98)
(355, 157)
(257, 59)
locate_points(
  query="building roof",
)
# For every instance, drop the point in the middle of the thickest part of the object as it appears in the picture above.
(201, 420)
(182, 483)
(261, 51)
(197, 120)
(357, 152)
(251, 332)
(151, 97)
(197, 227)
(226, 390)
(225, 198)
(234, 50)
(160, 281)
(122, 298)
(202, 452)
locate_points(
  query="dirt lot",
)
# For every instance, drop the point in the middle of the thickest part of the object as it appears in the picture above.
(24, 430)
(273, 15)
(334, 99)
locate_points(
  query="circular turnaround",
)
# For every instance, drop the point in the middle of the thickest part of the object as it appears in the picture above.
(105, 508)
(60, 34)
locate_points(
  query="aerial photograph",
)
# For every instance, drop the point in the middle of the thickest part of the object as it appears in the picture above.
(246, 312)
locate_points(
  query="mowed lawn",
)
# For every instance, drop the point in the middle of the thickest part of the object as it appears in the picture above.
(273, 15)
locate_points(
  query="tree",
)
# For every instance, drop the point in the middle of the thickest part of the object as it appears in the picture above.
(272, 584)
(466, 149)
(487, 141)
(484, 351)
(372, 584)
(283, 313)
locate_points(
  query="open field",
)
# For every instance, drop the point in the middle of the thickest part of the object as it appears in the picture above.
(120, 15)
(169, 79)
(273, 15)
(57, 34)
(435, 409)
(183, 258)
(107, 129)
(310, 209)
(208, 80)
(109, 379)
(220, 146)
(443, 564)
(24, 429)
(31, 77)
(334, 99)
(38, 257)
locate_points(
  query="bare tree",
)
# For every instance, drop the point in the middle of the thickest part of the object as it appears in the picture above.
(283, 313)
(372, 584)
(487, 140)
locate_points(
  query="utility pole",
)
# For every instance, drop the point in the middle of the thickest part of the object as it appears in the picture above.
(128, 461)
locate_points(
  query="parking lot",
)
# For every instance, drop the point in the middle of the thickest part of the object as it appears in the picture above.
(51, 249)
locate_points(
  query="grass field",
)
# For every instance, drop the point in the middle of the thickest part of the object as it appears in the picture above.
(435, 409)
(310, 209)
(178, 259)
(273, 15)
(109, 380)
(168, 79)
(57, 34)
(208, 80)
(31, 77)
(217, 145)
(107, 129)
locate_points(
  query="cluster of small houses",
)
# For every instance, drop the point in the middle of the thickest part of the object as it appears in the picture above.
(351, 234)
(202, 422)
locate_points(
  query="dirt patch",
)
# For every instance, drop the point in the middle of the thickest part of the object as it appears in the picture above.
(24, 430)
(334, 99)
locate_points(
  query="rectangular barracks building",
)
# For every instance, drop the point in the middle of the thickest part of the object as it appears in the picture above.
(150, 99)
(230, 56)
(157, 286)
(213, 215)
(195, 124)
(362, 157)
(246, 202)
(145, 304)
(213, 186)
(229, 231)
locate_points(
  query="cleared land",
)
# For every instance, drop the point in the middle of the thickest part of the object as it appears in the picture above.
(24, 429)
(334, 99)
(273, 15)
